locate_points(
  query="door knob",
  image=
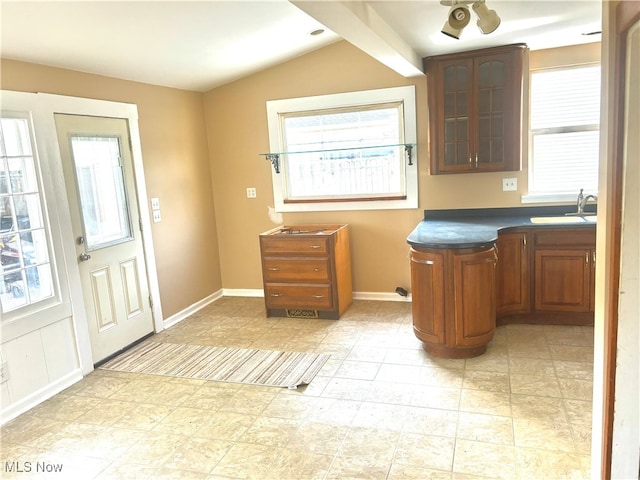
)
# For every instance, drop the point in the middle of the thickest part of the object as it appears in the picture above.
(80, 240)
(84, 257)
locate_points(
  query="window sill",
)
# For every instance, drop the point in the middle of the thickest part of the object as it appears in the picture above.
(408, 203)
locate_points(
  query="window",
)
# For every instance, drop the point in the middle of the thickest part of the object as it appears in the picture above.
(25, 273)
(346, 151)
(101, 190)
(564, 130)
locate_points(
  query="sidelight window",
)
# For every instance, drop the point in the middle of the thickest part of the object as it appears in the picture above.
(25, 270)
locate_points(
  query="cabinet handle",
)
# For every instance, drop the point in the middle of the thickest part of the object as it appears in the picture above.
(524, 241)
(470, 162)
(476, 161)
(317, 296)
(275, 295)
(314, 246)
(316, 269)
(274, 269)
(586, 258)
(593, 258)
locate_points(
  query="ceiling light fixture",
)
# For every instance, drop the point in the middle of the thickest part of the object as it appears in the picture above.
(459, 16)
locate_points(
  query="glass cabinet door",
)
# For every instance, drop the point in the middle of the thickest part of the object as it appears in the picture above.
(475, 110)
(490, 101)
(457, 82)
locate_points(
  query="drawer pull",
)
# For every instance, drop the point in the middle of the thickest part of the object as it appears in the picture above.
(317, 296)
(276, 295)
(274, 269)
(315, 246)
(316, 269)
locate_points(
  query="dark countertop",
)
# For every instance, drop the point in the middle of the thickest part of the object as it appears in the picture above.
(474, 228)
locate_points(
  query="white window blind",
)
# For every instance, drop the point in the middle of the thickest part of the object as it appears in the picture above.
(565, 122)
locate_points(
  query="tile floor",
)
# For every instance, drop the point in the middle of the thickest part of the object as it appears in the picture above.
(381, 408)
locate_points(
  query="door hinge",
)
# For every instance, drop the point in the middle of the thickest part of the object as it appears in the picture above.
(150, 302)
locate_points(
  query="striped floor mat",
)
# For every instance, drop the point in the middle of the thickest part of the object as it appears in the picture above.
(238, 365)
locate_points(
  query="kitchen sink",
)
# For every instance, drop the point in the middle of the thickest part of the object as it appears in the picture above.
(564, 219)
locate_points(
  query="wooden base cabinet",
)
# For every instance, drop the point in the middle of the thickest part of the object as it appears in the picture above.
(546, 276)
(306, 271)
(453, 300)
(564, 268)
(513, 274)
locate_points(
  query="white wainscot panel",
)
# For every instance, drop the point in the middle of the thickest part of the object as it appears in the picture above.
(26, 364)
(60, 349)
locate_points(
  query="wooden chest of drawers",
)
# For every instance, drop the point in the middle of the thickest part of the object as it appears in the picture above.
(306, 271)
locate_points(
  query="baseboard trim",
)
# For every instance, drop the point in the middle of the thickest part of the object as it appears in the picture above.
(381, 296)
(39, 396)
(190, 310)
(243, 292)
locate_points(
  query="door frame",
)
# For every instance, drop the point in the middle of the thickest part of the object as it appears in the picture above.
(49, 105)
(623, 17)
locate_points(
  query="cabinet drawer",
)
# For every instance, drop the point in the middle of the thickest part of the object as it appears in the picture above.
(579, 237)
(293, 245)
(279, 269)
(298, 296)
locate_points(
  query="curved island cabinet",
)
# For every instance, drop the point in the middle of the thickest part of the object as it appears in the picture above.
(454, 307)
(458, 281)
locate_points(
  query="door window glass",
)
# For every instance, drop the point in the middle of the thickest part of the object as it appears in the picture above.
(101, 190)
(25, 269)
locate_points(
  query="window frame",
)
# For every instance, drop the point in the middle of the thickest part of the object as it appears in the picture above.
(56, 297)
(532, 195)
(277, 109)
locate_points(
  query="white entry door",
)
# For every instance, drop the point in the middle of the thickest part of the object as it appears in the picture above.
(100, 184)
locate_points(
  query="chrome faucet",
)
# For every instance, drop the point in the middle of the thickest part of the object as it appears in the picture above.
(582, 201)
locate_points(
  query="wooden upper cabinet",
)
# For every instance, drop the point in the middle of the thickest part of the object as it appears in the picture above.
(475, 110)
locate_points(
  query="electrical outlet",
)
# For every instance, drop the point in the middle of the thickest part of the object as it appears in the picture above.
(4, 372)
(155, 203)
(156, 216)
(509, 184)
(251, 192)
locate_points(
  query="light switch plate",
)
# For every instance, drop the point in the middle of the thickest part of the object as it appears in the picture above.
(509, 184)
(156, 216)
(251, 192)
(155, 203)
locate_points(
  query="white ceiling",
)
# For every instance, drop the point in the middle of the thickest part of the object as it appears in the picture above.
(203, 44)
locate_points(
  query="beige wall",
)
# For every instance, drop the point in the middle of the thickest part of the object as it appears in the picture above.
(237, 131)
(176, 163)
(180, 171)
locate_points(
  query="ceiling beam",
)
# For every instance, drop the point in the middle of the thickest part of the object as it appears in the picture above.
(359, 24)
